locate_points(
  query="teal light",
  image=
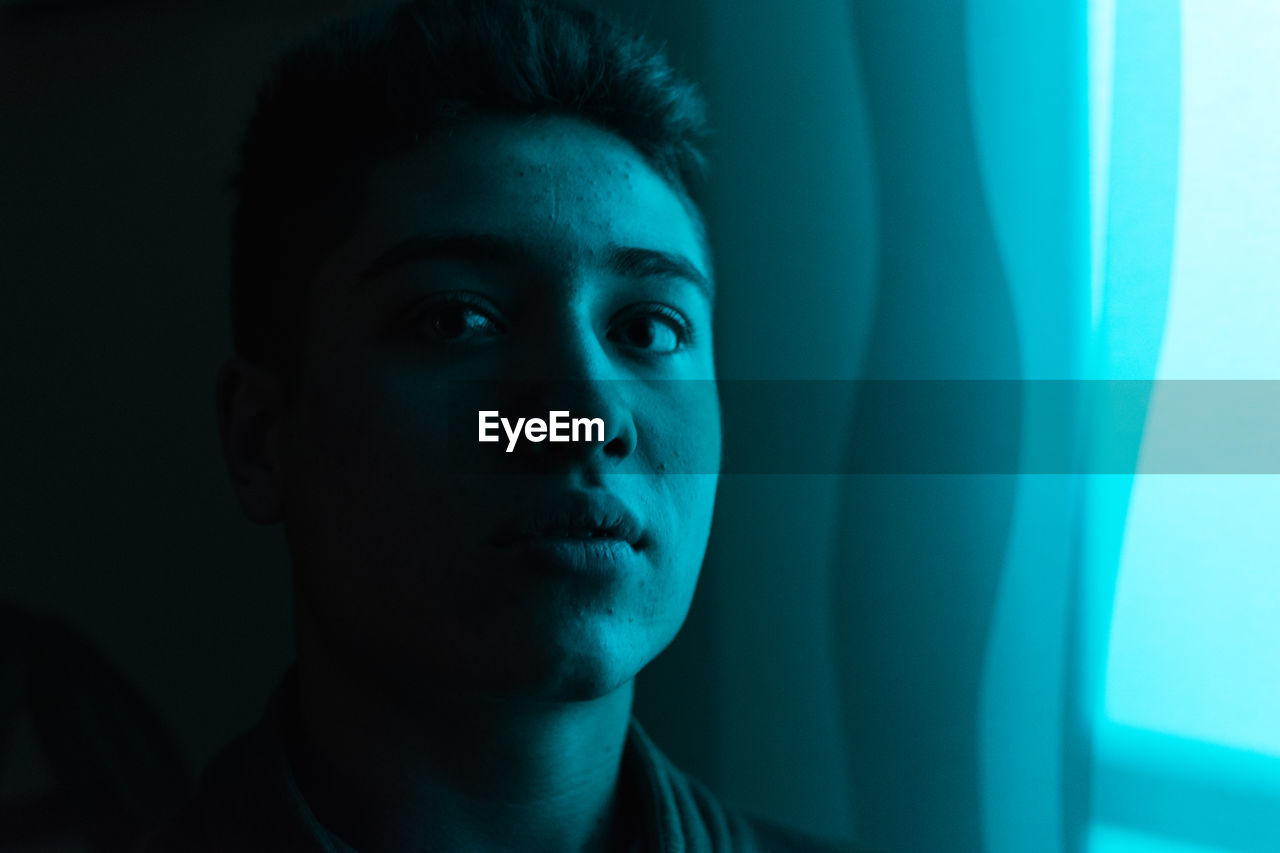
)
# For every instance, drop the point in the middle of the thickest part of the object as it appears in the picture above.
(1102, 45)
(1181, 583)
(1110, 839)
(1194, 634)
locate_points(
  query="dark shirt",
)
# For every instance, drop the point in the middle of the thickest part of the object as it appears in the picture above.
(248, 800)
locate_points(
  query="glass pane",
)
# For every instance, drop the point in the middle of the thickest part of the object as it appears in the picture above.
(1196, 626)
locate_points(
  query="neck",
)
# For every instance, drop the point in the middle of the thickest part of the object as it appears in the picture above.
(457, 770)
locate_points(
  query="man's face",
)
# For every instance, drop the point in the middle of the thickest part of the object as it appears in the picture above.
(548, 260)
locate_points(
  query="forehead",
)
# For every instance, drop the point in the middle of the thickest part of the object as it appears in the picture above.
(562, 185)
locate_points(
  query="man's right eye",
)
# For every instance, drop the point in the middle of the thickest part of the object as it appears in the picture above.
(459, 318)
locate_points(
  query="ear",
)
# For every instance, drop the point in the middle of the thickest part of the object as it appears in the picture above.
(250, 412)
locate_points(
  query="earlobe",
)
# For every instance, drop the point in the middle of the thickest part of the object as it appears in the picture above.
(250, 409)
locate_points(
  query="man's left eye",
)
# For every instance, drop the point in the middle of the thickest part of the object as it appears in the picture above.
(460, 321)
(656, 330)
(457, 318)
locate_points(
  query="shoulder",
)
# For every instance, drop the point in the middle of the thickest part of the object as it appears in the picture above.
(245, 801)
(689, 816)
(223, 804)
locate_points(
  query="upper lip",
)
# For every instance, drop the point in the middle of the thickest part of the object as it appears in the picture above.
(574, 515)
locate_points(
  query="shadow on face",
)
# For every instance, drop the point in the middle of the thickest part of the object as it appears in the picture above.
(520, 268)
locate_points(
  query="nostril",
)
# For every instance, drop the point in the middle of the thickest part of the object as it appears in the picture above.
(618, 446)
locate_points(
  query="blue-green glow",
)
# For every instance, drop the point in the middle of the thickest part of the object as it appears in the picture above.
(1102, 44)
(1224, 309)
(1110, 839)
(1194, 634)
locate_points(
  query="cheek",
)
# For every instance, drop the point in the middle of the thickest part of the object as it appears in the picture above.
(679, 427)
(378, 525)
(679, 438)
(685, 503)
(364, 467)
(379, 429)
(692, 501)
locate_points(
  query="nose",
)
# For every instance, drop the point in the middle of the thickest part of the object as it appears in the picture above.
(567, 366)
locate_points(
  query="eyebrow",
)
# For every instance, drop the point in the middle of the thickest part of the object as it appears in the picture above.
(629, 261)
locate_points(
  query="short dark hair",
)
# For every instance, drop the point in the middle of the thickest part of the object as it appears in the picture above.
(366, 88)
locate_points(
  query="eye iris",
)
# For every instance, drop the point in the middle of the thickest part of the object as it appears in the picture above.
(456, 321)
(640, 333)
(650, 333)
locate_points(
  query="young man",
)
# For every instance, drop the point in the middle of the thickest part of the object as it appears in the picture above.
(456, 213)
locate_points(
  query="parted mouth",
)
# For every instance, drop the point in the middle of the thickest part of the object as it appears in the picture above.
(576, 515)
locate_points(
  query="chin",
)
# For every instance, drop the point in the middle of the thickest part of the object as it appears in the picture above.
(584, 686)
(579, 663)
(579, 673)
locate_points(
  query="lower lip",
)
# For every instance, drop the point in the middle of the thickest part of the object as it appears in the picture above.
(577, 556)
